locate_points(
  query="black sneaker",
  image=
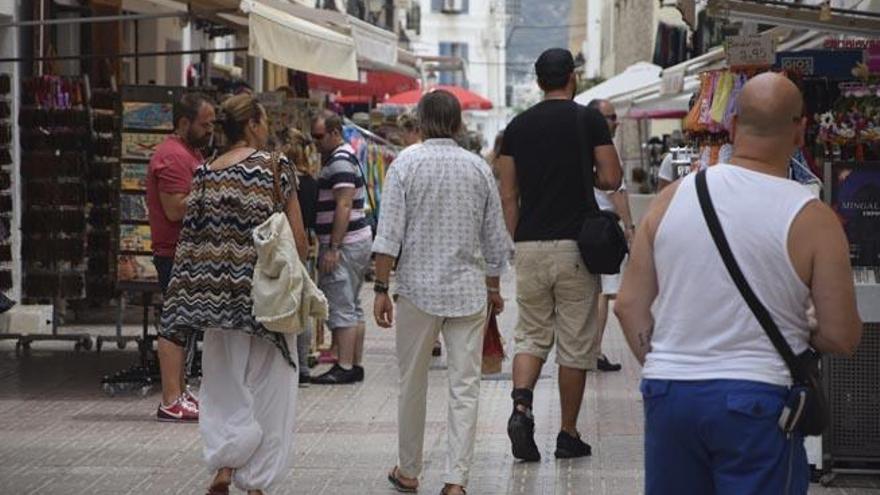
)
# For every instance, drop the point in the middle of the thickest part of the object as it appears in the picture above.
(569, 447)
(304, 381)
(437, 351)
(521, 430)
(603, 364)
(336, 376)
(358, 373)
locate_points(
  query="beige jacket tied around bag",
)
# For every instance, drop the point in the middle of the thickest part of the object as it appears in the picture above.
(284, 295)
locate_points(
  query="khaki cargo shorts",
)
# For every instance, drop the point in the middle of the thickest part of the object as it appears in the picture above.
(557, 300)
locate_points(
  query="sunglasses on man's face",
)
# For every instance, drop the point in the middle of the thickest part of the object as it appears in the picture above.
(612, 117)
(318, 137)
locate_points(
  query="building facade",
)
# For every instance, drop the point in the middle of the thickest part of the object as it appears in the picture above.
(618, 34)
(472, 30)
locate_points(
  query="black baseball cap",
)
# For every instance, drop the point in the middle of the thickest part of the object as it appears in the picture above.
(555, 62)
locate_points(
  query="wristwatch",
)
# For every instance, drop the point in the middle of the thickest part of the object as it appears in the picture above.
(380, 287)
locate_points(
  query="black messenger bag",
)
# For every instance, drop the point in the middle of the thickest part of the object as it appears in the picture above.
(601, 240)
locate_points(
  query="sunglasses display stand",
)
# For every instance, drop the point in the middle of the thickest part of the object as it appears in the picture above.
(7, 178)
(103, 196)
(55, 129)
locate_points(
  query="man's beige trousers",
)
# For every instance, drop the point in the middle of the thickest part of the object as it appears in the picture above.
(416, 333)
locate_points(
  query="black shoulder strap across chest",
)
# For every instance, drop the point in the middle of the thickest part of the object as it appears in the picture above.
(762, 314)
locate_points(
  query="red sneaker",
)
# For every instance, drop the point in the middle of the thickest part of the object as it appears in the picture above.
(180, 411)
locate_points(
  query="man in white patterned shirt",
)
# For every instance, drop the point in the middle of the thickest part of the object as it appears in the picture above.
(442, 213)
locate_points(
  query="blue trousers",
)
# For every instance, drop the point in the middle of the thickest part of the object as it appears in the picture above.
(719, 437)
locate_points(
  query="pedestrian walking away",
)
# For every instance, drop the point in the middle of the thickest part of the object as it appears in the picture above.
(295, 145)
(345, 237)
(546, 192)
(617, 202)
(441, 221)
(249, 376)
(714, 386)
(169, 177)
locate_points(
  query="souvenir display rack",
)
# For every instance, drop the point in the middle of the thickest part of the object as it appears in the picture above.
(103, 194)
(6, 183)
(146, 118)
(55, 127)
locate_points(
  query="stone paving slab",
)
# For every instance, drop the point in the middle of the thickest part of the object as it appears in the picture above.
(60, 434)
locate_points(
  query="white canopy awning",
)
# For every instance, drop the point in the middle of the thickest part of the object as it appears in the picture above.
(285, 39)
(650, 101)
(636, 77)
(655, 105)
(372, 43)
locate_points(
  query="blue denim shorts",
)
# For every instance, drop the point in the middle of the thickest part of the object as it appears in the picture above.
(719, 437)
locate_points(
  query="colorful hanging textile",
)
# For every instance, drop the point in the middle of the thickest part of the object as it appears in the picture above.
(374, 156)
(722, 97)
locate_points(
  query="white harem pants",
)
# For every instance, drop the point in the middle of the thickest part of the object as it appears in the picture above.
(247, 407)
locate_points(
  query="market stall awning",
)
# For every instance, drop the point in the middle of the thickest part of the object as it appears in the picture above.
(860, 21)
(635, 77)
(372, 44)
(467, 99)
(279, 36)
(375, 84)
(651, 103)
(664, 106)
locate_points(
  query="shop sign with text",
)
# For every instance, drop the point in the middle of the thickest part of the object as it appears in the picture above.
(754, 50)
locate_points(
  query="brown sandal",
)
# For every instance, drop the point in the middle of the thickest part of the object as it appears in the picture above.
(397, 483)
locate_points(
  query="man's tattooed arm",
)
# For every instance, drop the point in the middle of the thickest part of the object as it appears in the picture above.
(644, 346)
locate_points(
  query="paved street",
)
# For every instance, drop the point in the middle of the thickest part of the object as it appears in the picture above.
(60, 434)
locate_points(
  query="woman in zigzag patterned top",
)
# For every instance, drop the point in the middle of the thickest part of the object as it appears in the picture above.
(248, 392)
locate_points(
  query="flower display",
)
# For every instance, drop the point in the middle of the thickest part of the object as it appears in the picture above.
(855, 118)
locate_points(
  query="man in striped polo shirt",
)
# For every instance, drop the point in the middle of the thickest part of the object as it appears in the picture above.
(345, 236)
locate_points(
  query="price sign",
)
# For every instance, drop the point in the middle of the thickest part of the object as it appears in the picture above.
(750, 51)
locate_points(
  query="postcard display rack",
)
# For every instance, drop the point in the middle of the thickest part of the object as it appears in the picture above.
(852, 442)
(147, 118)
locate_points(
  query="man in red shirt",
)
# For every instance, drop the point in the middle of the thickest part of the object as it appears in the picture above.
(168, 183)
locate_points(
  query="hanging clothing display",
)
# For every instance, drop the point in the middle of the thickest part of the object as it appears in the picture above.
(722, 98)
(710, 120)
(375, 155)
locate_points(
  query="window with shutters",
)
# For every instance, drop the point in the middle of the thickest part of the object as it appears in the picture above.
(453, 49)
(414, 18)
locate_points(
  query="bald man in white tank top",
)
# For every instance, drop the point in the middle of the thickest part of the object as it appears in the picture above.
(713, 384)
